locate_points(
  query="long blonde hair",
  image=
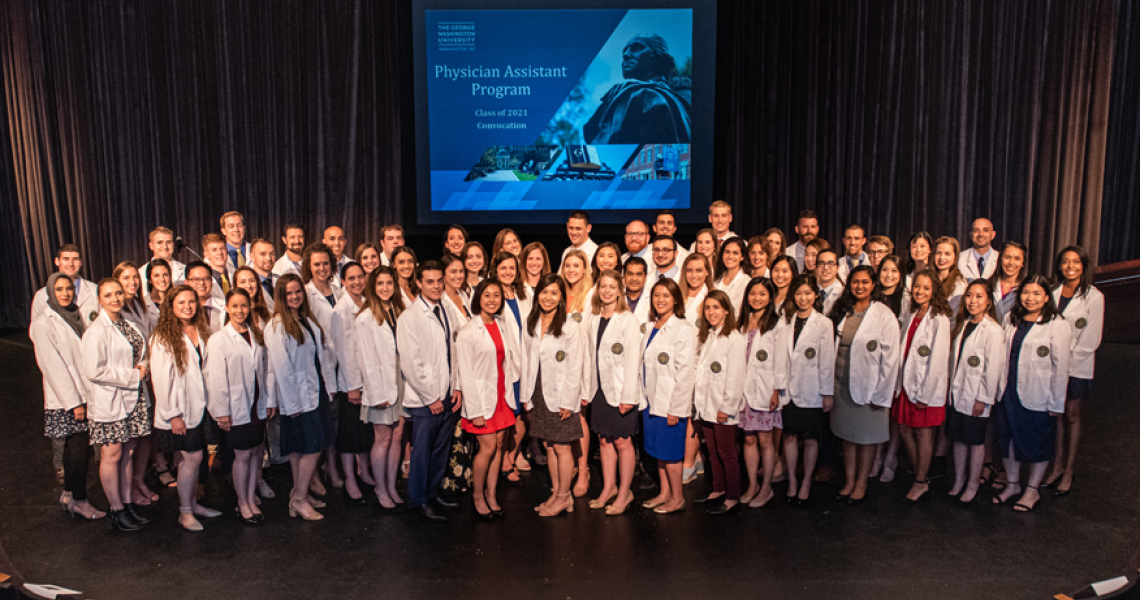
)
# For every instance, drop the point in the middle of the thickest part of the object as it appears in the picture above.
(708, 274)
(282, 314)
(580, 290)
(620, 305)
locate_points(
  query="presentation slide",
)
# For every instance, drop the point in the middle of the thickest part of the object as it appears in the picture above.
(527, 111)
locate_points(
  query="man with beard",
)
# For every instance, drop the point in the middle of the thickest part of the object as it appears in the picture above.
(294, 240)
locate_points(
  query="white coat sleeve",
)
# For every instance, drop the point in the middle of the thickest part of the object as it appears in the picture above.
(631, 366)
(995, 358)
(57, 374)
(890, 359)
(288, 392)
(782, 358)
(96, 365)
(737, 365)
(826, 360)
(412, 362)
(216, 373)
(344, 344)
(685, 353)
(575, 358)
(1089, 338)
(168, 403)
(465, 374)
(937, 380)
(1061, 351)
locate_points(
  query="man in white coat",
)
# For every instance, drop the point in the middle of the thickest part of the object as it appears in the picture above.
(634, 276)
(981, 260)
(665, 259)
(665, 223)
(237, 249)
(262, 257)
(336, 241)
(854, 238)
(68, 261)
(425, 338)
(294, 240)
(826, 271)
(637, 241)
(161, 244)
(720, 217)
(198, 276)
(578, 230)
(391, 237)
(807, 228)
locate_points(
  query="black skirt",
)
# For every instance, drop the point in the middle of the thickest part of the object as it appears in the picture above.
(302, 434)
(245, 437)
(965, 429)
(608, 422)
(193, 441)
(806, 423)
(353, 436)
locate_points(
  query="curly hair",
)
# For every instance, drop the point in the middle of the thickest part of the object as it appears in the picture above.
(168, 330)
(939, 305)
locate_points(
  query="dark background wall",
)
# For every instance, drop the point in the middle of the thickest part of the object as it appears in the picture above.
(898, 115)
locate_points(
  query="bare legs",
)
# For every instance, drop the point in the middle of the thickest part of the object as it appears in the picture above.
(857, 459)
(560, 462)
(386, 462)
(304, 467)
(487, 460)
(919, 443)
(967, 469)
(1013, 472)
(670, 498)
(144, 449)
(891, 458)
(692, 448)
(792, 455)
(583, 485)
(1068, 437)
(187, 483)
(613, 453)
(115, 473)
(348, 464)
(245, 480)
(759, 449)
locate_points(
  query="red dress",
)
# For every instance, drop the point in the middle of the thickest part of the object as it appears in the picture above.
(906, 412)
(504, 417)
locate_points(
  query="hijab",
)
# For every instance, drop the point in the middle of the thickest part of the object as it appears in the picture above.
(70, 313)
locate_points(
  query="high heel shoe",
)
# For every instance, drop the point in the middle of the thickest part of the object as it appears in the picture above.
(597, 503)
(925, 482)
(1060, 492)
(317, 488)
(65, 500)
(349, 500)
(567, 505)
(85, 510)
(130, 508)
(192, 524)
(121, 520)
(487, 516)
(295, 512)
(250, 520)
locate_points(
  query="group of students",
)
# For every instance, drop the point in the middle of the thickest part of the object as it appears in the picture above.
(662, 351)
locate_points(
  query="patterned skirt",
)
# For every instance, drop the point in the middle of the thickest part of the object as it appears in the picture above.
(59, 423)
(136, 425)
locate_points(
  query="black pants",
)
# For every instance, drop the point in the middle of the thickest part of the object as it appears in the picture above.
(76, 457)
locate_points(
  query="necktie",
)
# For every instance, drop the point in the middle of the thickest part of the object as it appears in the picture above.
(268, 285)
(225, 284)
(447, 333)
(981, 266)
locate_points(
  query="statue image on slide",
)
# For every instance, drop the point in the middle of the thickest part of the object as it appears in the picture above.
(650, 106)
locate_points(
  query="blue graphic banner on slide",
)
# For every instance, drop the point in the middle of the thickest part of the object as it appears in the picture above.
(524, 115)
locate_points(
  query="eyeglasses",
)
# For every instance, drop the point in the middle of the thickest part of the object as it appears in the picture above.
(663, 250)
(636, 233)
(826, 263)
(198, 279)
(876, 253)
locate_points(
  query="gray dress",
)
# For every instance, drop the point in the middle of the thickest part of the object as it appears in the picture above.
(866, 424)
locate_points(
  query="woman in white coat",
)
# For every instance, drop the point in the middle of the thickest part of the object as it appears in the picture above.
(695, 282)
(57, 334)
(135, 310)
(551, 381)
(1082, 306)
(610, 384)
(301, 362)
(977, 362)
(866, 369)
(760, 417)
(808, 345)
(946, 253)
(516, 307)
(116, 367)
(1007, 277)
(575, 271)
(158, 282)
(353, 437)
(1033, 389)
(731, 277)
(178, 354)
(239, 396)
(718, 397)
(668, 371)
(488, 357)
(924, 377)
(318, 273)
(456, 293)
(382, 395)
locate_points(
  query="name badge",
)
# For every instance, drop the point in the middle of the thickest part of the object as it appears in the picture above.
(1082, 323)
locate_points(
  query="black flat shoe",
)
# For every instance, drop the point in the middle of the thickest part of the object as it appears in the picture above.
(855, 501)
(723, 509)
(427, 512)
(133, 511)
(802, 502)
(843, 497)
(443, 503)
(122, 520)
(790, 499)
(709, 499)
(361, 501)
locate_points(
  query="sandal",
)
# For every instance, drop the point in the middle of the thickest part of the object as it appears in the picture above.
(998, 499)
(1024, 508)
(987, 479)
(169, 480)
(513, 476)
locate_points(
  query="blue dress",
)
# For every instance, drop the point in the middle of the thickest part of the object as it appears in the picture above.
(1030, 431)
(513, 304)
(662, 441)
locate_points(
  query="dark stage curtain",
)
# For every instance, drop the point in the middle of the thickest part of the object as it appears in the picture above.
(904, 116)
(1120, 229)
(124, 115)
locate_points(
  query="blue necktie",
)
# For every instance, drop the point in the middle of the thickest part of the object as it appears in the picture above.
(446, 331)
(981, 266)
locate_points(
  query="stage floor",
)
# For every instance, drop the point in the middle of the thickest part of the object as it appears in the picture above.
(885, 548)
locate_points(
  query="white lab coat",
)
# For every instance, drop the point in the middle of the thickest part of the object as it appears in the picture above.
(342, 336)
(977, 367)
(858, 261)
(59, 354)
(233, 368)
(376, 347)
(615, 360)
(955, 298)
(668, 368)
(87, 299)
(293, 373)
(478, 377)
(215, 307)
(719, 378)
(424, 354)
(735, 290)
(138, 317)
(588, 246)
(810, 362)
(874, 357)
(177, 274)
(968, 264)
(1085, 314)
(560, 359)
(641, 312)
(109, 366)
(693, 305)
(796, 251)
(766, 368)
(153, 310)
(1042, 381)
(285, 265)
(230, 266)
(926, 378)
(830, 294)
(178, 394)
(514, 326)
(1003, 305)
(459, 316)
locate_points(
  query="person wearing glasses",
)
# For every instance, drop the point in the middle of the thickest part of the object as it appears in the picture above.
(637, 242)
(879, 247)
(665, 259)
(826, 271)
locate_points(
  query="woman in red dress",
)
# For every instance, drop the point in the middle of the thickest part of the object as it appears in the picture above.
(488, 364)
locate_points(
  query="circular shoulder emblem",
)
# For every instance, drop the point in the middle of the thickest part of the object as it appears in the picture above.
(761, 355)
(94, 315)
(1082, 323)
(1042, 351)
(810, 353)
(715, 367)
(561, 356)
(973, 361)
(663, 358)
(643, 328)
(924, 351)
(872, 346)
(617, 348)
(577, 317)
